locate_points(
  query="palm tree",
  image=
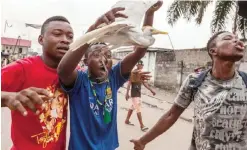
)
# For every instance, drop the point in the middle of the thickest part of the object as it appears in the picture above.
(196, 10)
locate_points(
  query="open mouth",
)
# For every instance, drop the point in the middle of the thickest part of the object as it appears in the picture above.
(64, 49)
(102, 68)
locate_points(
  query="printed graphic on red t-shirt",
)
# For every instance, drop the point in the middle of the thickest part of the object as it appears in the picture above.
(51, 118)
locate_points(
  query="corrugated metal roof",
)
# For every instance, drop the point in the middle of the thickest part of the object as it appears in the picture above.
(13, 41)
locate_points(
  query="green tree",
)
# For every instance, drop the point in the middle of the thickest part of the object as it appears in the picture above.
(195, 10)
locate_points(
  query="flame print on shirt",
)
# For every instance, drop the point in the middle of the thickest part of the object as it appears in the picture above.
(52, 117)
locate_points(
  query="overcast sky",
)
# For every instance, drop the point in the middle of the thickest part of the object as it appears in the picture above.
(82, 13)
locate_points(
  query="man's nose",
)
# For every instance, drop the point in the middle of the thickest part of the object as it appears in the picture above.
(65, 39)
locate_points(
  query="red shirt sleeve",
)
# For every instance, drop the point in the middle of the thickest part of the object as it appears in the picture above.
(12, 77)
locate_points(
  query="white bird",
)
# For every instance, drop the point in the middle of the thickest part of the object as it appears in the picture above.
(124, 31)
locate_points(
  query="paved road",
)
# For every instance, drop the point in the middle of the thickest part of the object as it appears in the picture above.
(177, 138)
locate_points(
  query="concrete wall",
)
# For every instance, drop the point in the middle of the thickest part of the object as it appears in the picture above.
(166, 70)
(174, 66)
(191, 59)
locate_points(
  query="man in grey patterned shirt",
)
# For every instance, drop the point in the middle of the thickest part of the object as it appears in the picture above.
(220, 101)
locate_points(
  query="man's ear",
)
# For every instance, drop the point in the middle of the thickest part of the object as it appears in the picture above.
(40, 40)
(213, 51)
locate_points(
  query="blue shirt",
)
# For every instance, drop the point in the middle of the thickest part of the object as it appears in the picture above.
(87, 127)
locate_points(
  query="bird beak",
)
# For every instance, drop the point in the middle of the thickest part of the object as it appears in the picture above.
(155, 31)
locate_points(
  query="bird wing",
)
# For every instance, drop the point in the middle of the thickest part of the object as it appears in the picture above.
(96, 34)
(135, 10)
(135, 14)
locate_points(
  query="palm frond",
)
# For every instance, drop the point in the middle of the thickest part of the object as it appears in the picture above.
(202, 9)
(221, 14)
(242, 26)
(192, 8)
(174, 12)
(187, 10)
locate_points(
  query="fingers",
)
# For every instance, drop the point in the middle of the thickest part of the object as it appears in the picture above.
(32, 96)
(120, 15)
(110, 16)
(16, 105)
(26, 101)
(105, 20)
(117, 9)
(136, 146)
(145, 72)
(42, 91)
(145, 76)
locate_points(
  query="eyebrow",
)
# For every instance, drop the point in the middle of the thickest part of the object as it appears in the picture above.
(57, 30)
(60, 30)
(228, 36)
(231, 36)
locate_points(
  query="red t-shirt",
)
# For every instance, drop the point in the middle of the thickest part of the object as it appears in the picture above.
(46, 131)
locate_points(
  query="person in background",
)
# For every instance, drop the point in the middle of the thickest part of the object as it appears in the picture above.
(135, 84)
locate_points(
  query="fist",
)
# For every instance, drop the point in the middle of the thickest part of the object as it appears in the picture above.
(155, 7)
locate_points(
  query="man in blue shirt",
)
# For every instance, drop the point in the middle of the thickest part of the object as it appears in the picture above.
(93, 94)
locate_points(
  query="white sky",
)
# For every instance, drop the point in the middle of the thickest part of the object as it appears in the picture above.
(82, 13)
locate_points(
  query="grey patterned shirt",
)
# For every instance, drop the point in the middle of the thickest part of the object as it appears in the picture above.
(220, 111)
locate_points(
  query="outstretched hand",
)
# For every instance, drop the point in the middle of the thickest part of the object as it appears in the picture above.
(145, 76)
(153, 93)
(27, 97)
(108, 17)
(137, 144)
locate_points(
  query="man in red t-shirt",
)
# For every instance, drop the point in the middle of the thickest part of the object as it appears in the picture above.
(31, 86)
(39, 126)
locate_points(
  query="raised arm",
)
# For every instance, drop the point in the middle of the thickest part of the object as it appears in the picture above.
(130, 60)
(67, 67)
